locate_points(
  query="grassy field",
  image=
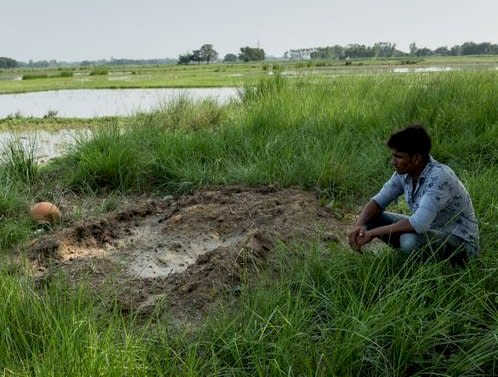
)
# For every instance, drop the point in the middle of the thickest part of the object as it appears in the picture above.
(216, 75)
(327, 312)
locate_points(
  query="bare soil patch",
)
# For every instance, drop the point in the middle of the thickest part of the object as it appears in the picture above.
(183, 253)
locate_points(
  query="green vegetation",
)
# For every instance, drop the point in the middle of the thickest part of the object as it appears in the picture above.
(99, 71)
(53, 123)
(326, 311)
(227, 74)
(66, 74)
(33, 76)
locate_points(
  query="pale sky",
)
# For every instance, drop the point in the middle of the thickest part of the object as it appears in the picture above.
(75, 30)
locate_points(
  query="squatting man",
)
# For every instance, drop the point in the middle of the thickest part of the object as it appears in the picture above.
(443, 222)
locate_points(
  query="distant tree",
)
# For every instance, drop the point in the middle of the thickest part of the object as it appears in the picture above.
(456, 50)
(443, 51)
(8, 63)
(251, 54)
(359, 51)
(230, 58)
(208, 53)
(185, 58)
(197, 56)
(384, 49)
(484, 48)
(413, 49)
(470, 48)
(38, 64)
(330, 52)
(424, 52)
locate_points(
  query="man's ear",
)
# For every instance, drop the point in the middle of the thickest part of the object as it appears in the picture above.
(418, 158)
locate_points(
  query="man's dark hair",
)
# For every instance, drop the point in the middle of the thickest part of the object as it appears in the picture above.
(412, 139)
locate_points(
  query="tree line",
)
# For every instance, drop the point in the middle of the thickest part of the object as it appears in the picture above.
(208, 54)
(8, 63)
(11, 63)
(467, 48)
(387, 49)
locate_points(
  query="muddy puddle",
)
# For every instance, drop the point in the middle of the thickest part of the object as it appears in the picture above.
(183, 253)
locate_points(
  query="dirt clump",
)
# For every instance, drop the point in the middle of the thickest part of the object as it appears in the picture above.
(183, 253)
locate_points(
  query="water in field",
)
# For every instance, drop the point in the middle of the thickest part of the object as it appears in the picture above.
(42, 145)
(45, 145)
(423, 69)
(90, 103)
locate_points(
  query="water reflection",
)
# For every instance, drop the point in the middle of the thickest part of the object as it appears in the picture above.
(102, 102)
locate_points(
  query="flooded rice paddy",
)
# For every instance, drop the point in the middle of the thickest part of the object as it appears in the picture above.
(91, 103)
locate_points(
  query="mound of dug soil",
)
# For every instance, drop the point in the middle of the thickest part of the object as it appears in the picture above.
(183, 253)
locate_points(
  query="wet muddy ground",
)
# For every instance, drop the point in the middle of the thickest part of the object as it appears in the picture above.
(182, 254)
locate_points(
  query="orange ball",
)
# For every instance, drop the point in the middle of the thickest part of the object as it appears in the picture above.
(45, 213)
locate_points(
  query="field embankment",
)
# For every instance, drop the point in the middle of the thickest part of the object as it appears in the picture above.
(320, 310)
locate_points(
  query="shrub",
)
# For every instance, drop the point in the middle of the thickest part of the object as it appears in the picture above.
(66, 74)
(101, 71)
(34, 76)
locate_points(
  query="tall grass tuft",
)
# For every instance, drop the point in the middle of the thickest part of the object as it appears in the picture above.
(109, 160)
(15, 225)
(183, 113)
(58, 331)
(19, 161)
(19, 174)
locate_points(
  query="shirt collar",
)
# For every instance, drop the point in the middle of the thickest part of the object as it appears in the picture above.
(427, 168)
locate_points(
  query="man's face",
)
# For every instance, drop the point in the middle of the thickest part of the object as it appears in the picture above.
(403, 162)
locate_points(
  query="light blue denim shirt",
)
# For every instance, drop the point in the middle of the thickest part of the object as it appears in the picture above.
(438, 202)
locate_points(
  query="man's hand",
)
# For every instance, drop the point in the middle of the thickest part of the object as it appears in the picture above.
(363, 238)
(354, 236)
(358, 235)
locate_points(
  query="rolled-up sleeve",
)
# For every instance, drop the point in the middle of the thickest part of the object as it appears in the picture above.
(422, 219)
(391, 190)
(430, 204)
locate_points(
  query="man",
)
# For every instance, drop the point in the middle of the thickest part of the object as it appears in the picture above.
(443, 219)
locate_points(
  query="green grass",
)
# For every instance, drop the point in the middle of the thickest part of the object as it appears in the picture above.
(336, 314)
(325, 312)
(327, 136)
(56, 331)
(19, 161)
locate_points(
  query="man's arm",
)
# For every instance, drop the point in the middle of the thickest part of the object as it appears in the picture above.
(359, 236)
(402, 226)
(389, 192)
(368, 213)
